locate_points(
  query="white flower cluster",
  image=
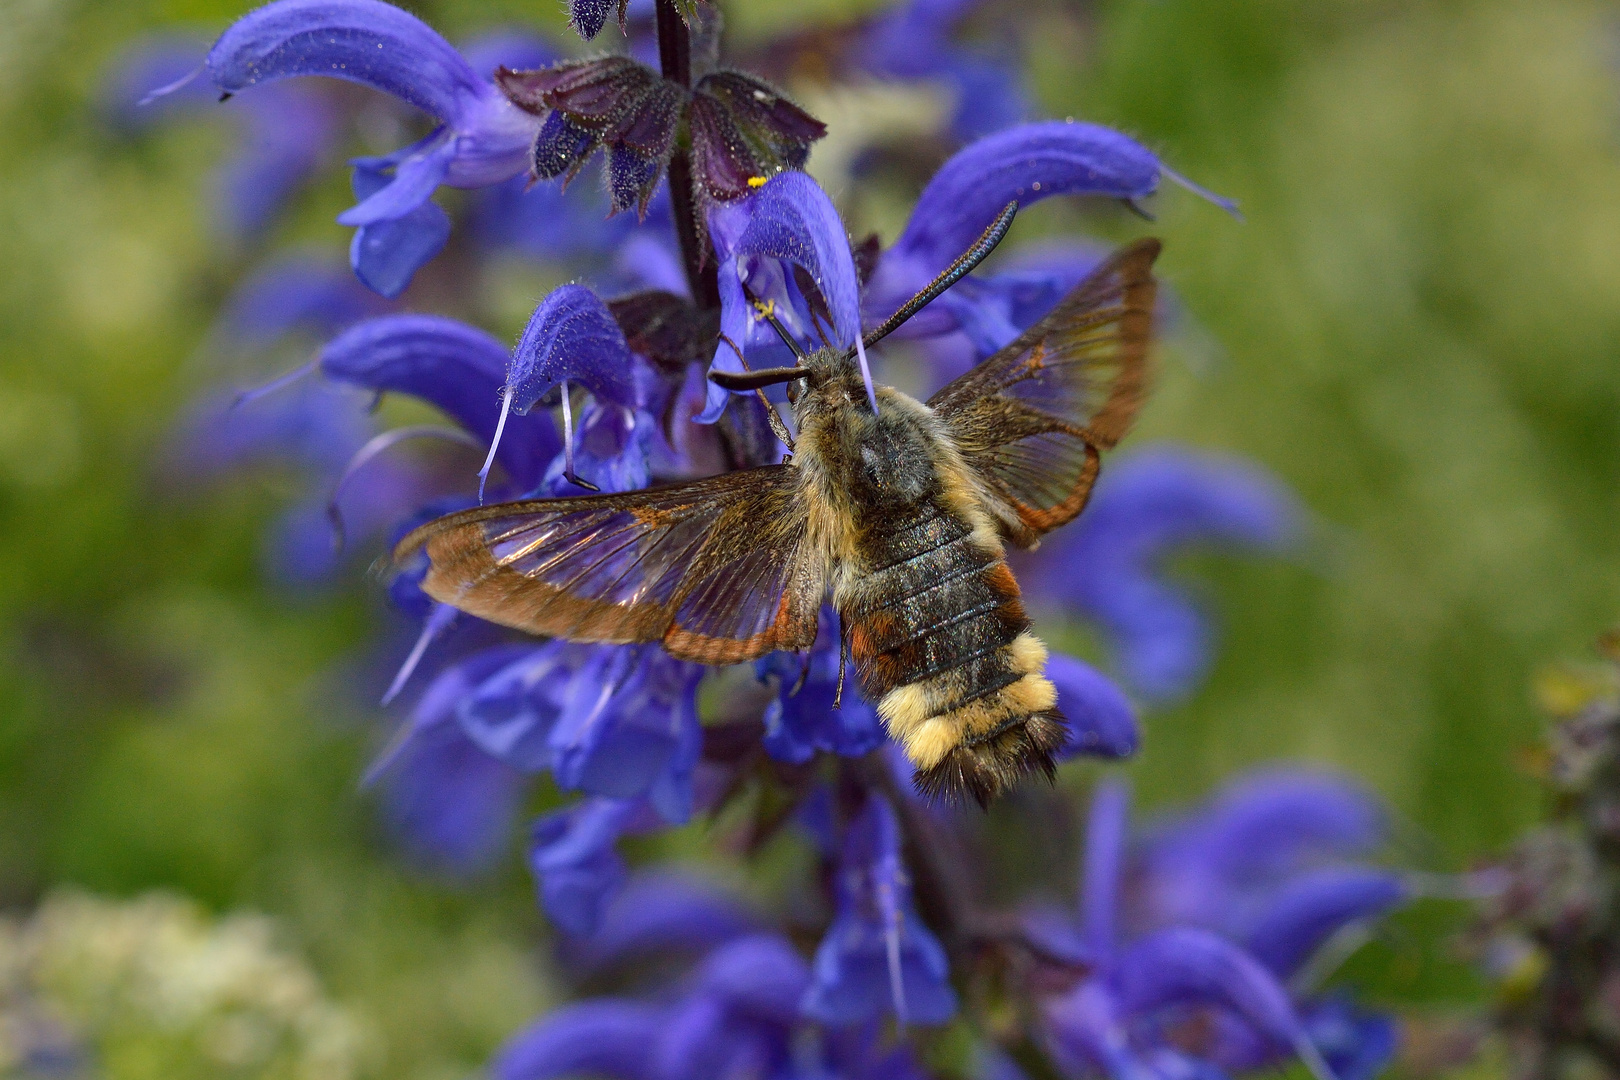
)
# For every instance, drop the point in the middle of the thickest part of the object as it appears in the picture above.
(155, 988)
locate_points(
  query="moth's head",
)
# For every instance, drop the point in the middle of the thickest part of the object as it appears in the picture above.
(827, 378)
(832, 380)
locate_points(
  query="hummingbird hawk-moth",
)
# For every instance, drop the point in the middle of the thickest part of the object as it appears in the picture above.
(901, 513)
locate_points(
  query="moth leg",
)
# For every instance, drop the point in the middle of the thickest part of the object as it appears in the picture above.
(838, 698)
(778, 428)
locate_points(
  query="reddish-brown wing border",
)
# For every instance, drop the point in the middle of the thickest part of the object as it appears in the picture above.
(1092, 350)
(716, 569)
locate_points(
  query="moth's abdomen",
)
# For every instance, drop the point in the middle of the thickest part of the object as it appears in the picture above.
(941, 642)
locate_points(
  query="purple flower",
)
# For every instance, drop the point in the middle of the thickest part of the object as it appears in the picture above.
(572, 854)
(789, 223)
(877, 956)
(660, 912)
(612, 720)
(1102, 722)
(735, 1013)
(451, 805)
(297, 292)
(1265, 861)
(601, 1037)
(991, 309)
(630, 727)
(546, 222)
(481, 139)
(452, 366)
(1024, 164)
(573, 336)
(619, 722)
(1259, 894)
(801, 719)
(313, 429)
(1148, 507)
(737, 1018)
(286, 131)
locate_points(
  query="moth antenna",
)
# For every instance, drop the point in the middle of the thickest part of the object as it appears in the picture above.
(953, 273)
(277, 383)
(500, 426)
(778, 428)
(376, 446)
(568, 444)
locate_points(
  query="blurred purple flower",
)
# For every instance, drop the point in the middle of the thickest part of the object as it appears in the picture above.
(286, 131)
(457, 368)
(295, 292)
(1225, 907)
(575, 862)
(546, 222)
(1230, 865)
(1150, 506)
(308, 427)
(659, 912)
(1102, 722)
(801, 719)
(913, 40)
(512, 47)
(877, 956)
(620, 723)
(629, 727)
(451, 805)
(481, 139)
(736, 1013)
(601, 1037)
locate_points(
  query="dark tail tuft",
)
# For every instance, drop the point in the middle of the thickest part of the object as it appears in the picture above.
(987, 766)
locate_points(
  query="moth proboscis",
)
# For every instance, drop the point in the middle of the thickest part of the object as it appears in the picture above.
(901, 514)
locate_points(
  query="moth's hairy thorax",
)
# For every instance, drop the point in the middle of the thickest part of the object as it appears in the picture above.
(932, 612)
(865, 474)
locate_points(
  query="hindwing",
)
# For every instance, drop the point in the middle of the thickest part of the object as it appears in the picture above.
(1032, 419)
(716, 569)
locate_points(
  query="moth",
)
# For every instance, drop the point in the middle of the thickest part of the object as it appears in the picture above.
(901, 513)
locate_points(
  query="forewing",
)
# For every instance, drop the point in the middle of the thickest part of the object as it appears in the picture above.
(1033, 418)
(716, 569)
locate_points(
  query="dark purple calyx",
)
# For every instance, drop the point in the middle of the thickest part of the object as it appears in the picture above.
(740, 130)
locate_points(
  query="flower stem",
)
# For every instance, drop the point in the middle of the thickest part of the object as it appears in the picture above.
(675, 59)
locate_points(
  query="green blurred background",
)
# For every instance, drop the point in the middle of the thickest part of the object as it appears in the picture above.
(1416, 328)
